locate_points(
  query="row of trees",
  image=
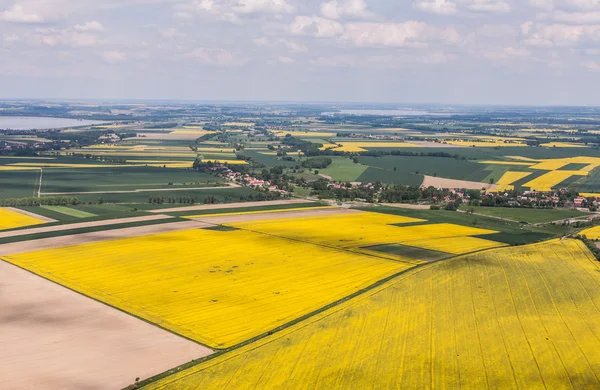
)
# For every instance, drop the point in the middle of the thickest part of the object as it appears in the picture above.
(44, 201)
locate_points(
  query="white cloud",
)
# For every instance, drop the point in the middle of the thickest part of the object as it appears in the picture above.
(286, 60)
(114, 57)
(593, 66)
(411, 33)
(526, 27)
(542, 4)
(491, 6)
(584, 4)
(263, 6)
(549, 35)
(90, 27)
(292, 46)
(577, 17)
(218, 57)
(336, 9)
(440, 7)
(315, 26)
(17, 14)
(168, 33)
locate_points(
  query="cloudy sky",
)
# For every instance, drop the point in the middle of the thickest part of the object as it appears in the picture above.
(533, 52)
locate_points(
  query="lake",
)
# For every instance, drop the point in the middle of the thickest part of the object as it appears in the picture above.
(34, 123)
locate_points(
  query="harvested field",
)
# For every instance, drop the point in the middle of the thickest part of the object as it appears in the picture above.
(82, 225)
(84, 238)
(231, 205)
(524, 317)
(440, 182)
(245, 285)
(53, 338)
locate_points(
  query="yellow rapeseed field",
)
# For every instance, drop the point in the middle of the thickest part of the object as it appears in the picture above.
(523, 317)
(483, 144)
(218, 288)
(360, 230)
(506, 181)
(363, 146)
(592, 233)
(551, 179)
(230, 162)
(563, 145)
(11, 220)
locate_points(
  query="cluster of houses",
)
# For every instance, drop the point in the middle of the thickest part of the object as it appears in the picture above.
(245, 179)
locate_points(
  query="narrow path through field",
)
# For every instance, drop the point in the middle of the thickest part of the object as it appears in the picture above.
(231, 205)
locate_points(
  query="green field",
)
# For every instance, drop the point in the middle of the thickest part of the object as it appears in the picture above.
(343, 169)
(410, 252)
(69, 211)
(527, 215)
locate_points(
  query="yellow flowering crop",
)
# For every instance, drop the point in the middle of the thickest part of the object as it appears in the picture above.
(551, 179)
(11, 220)
(506, 181)
(354, 231)
(522, 317)
(361, 146)
(218, 288)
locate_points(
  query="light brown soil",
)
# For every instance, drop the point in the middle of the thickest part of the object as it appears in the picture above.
(231, 205)
(440, 182)
(32, 215)
(84, 238)
(54, 338)
(82, 225)
(273, 216)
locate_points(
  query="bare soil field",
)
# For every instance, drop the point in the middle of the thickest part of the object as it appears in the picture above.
(54, 338)
(440, 182)
(231, 205)
(82, 225)
(273, 216)
(32, 215)
(84, 238)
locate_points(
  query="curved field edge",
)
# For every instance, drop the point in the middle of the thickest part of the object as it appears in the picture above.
(567, 350)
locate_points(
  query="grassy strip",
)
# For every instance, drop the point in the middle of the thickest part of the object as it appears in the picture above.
(70, 211)
(93, 229)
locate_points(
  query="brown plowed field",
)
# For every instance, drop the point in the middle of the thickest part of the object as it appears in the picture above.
(54, 338)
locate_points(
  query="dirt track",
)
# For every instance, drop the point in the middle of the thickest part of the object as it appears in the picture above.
(231, 205)
(54, 338)
(273, 216)
(76, 239)
(82, 225)
(440, 182)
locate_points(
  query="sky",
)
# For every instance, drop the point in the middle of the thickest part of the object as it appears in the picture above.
(516, 52)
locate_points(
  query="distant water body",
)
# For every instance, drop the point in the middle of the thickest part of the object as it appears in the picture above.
(40, 123)
(383, 112)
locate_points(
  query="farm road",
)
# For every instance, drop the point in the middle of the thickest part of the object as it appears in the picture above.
(82, 225)
(231, 205)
